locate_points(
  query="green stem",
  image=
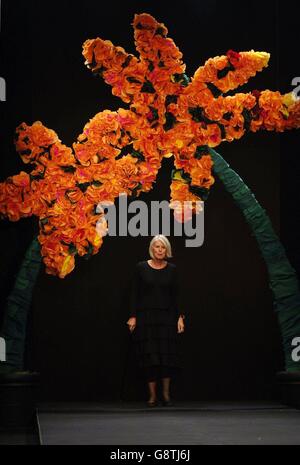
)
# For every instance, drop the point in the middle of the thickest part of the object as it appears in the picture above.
(282, 276)
(17, 308)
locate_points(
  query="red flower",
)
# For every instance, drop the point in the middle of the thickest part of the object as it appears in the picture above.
(233, 57)
(256, 93)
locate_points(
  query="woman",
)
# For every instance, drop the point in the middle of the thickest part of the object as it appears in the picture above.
(155, 320)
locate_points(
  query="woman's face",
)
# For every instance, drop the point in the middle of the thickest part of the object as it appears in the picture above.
(159, 250)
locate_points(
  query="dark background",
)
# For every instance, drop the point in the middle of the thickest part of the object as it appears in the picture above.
(77, 336)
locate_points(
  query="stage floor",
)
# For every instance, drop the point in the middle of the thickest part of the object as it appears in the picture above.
(187, 423)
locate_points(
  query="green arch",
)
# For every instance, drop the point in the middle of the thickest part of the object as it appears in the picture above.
(282, 277)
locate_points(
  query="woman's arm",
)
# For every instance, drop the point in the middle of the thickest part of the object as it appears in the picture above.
(134, 299)
(175, 291)
(134, 296)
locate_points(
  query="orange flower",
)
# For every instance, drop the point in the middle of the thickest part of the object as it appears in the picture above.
(183, 202)
(121, 151)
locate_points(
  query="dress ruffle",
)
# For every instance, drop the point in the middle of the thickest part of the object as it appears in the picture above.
(156, 339)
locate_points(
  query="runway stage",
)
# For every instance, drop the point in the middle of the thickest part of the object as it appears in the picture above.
(187, 423)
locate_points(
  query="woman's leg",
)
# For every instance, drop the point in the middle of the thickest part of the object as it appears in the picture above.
(152, 391)
(166, 388)
(151, 377)
(166, 374)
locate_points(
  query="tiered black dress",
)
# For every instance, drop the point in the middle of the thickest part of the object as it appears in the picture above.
(154, 303)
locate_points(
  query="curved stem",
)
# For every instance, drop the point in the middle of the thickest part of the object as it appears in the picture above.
(282, 276)
(17, 308)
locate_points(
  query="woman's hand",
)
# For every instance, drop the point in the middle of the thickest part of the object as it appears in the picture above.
(180, 325)
(131, 323)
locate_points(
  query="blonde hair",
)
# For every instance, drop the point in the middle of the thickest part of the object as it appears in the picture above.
(165, 241)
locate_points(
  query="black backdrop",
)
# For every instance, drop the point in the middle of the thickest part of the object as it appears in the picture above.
(77, 337)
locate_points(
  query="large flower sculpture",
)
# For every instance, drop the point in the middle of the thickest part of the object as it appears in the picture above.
(121, 151)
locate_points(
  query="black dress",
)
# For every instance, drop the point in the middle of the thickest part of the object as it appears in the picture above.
(154, 303)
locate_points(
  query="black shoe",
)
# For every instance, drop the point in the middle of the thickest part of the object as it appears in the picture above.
(152, 403)
(167, 403)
